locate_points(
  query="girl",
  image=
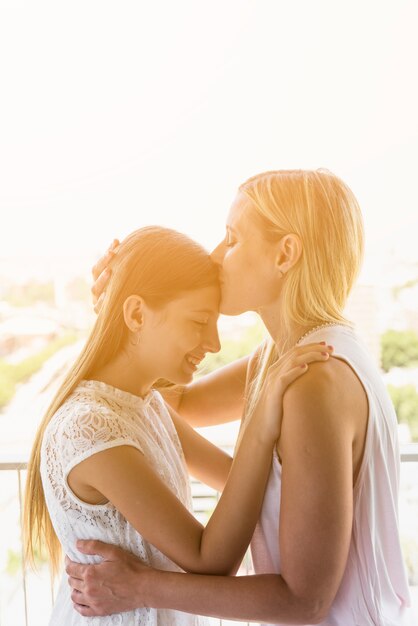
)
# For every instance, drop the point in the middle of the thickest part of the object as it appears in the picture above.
(109, 458)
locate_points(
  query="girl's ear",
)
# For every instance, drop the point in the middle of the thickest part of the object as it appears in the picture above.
(133, 312)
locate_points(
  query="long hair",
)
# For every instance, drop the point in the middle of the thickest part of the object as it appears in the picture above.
(156, 263)
(322, 211)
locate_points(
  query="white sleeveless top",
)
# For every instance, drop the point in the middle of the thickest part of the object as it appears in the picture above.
(97, 416)
(374, 589)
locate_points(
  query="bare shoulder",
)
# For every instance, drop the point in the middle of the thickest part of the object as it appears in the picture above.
(327, 404)
(323, 384)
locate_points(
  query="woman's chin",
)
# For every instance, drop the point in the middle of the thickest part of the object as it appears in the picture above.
(230, 308)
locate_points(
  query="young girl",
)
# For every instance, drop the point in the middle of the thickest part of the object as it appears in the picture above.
(109, 459)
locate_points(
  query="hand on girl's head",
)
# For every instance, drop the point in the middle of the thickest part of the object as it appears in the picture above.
(101, 274)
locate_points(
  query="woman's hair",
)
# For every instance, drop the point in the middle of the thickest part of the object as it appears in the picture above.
(323, 212)
(157, 263)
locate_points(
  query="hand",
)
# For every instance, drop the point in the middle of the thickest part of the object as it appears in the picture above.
(112, 586)
(268, 412)
(101, 274)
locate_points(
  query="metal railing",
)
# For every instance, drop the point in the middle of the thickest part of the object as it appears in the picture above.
(204, 500)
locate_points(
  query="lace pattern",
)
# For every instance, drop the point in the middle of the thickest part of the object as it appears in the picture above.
(95, 417)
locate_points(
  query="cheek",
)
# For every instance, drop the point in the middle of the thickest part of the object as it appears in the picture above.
(184, 338)
(236, 262)
(246, 284)
(241, 266)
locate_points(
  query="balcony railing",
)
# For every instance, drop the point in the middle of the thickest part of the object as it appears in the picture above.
(18, 605)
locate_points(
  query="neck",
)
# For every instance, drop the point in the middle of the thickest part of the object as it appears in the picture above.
(122, 372)
(282, 335)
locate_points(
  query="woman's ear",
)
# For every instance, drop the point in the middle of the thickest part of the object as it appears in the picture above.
(289, 252)
(133, 313)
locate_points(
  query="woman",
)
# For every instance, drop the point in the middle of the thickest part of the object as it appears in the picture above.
(326, 549)
(108, 460)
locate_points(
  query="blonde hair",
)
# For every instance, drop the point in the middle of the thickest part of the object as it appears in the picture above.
(157, 263)
(322, 211)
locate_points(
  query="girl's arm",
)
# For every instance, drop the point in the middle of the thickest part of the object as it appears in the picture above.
(123, 476)
(205, 461)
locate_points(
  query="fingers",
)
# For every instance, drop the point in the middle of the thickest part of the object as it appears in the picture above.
(75, 583)
(83, 606)
(310, 357)
(75, 570)
(310, 353)
(86, 611)
(293, 374)
(103, 262)
(99, 548)
(99, 286)
(99, 302)
(101, 274)
(312, 347)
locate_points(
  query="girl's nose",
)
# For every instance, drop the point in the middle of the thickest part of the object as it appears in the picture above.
(211, 341)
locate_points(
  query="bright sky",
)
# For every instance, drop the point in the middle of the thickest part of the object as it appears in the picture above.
(117, 115)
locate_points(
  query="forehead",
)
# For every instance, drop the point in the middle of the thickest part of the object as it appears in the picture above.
(205, 299)
(240, 216)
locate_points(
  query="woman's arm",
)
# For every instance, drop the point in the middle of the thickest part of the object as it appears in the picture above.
(216, 398)
(320, 423)
(122, 583)
(204, 460)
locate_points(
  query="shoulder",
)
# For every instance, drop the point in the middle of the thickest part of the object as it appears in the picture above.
(82, 421)
(324, 383)
(157, 401)
(323, 403)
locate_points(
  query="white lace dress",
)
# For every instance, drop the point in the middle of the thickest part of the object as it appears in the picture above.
(97, 416)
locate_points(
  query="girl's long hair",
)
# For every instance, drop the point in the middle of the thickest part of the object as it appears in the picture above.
(322, 211)
(156, 263)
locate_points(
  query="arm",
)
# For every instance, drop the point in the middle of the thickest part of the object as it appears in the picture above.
(315, 526)
(316, 513)
(123, 476)
(213, 399)
(122, 583)
(204, 460)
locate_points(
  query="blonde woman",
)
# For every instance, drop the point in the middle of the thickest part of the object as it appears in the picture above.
(326, 548)
(109, 459)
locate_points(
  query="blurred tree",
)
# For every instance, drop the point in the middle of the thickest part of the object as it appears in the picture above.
(29, 293)
(13, 373)
(405, 401)
(399, 349)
